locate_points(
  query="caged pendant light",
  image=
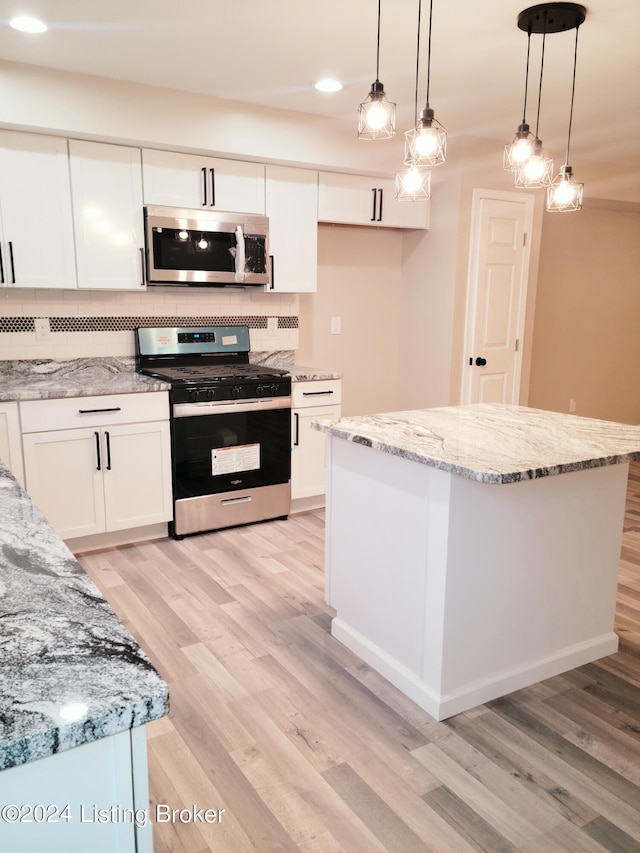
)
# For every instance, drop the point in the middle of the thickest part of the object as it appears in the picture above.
(517, 153)
(426, 145)
(413, 182)
(565, 193)
(376, 114)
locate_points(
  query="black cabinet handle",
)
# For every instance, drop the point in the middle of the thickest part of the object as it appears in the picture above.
(1, 267)
(204, 187)
(375, 198)
(380, 206)
(143, 266)
(97, 411)
(213, 187)
(315, 393)
(273, 274)
(13, 269)
(481, 361)
(108, 451)
(297, 438)
(99, 465)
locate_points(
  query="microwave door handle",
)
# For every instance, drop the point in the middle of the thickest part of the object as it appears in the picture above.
(240, 254)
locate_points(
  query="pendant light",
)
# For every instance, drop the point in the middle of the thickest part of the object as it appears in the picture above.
(537, 170)
(413, 182)
(565, 193)
(517, 153)
(426, 145)
(376, 114)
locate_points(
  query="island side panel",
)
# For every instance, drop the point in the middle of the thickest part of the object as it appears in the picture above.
(386, 555)
(531, 580)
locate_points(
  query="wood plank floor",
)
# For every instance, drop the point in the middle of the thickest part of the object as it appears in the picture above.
(306, 748)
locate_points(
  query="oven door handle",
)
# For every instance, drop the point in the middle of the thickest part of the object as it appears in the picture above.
(195, 410)
(240, 256)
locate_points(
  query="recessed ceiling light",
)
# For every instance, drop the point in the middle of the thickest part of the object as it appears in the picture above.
(26, 24)
(328, 84)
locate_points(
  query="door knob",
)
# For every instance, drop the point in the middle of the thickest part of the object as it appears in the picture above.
(481, 361)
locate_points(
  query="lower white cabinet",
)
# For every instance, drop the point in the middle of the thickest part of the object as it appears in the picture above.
(106, 468)
(311, 401)
(10, 440)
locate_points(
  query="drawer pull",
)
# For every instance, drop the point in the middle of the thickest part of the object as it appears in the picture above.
(297, 438)
(316, 393)
(99, 465)
(243, 500)
(97, 411)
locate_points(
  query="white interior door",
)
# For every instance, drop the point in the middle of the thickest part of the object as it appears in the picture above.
(496, 296)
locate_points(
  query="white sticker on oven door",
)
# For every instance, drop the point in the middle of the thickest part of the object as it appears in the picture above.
(163, 340)
(231, 460)
(229, 340)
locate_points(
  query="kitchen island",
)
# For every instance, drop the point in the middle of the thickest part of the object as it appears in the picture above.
(75, 694)
(474, 550)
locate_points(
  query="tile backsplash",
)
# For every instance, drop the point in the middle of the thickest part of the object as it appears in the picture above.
(85, 324)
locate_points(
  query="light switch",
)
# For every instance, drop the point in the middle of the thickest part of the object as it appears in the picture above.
(336, 325)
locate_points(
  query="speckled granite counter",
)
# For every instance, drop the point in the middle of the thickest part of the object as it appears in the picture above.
(61, 645)
(303, 373)
(471, 591)
(493, 443)
(41, 379)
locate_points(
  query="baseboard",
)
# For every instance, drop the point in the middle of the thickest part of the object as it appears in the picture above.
(117, 537)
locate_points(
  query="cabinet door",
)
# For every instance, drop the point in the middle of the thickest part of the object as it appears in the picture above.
(357, 200)
(137, 475)
(63, 471)
(308, 451)
(292, 208)
(191, 181)
(35, 199)
(11, 440)
(106, 182)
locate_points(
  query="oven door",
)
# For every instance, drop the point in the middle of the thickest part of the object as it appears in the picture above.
(231, 462)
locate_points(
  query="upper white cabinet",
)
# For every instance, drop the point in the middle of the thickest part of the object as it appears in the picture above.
(106, 183)
(191, 181)
(35, 204)
(292, 208)
(357, 200)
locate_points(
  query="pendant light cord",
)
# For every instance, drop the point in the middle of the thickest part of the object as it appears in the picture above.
(378, 45)
(526, 79)
(415, 107)
(573, 90)
(544, 36)
(429, 51)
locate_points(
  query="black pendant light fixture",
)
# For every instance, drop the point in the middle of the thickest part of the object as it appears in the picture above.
(426, 144)
(376, 114)
(565, 193)
(413, 182)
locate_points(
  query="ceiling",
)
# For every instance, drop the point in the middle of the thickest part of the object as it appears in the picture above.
(270, 53)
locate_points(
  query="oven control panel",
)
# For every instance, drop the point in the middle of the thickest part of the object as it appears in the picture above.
(221, 392)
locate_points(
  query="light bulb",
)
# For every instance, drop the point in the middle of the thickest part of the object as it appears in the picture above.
(426, 142)
(521, 151)
(535, 168)
(564, 192)
(183, 235)
(202, 243)
(411, 180)
(377, 116)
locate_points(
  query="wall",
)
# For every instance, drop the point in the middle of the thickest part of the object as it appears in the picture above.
(359, 280)
(587, 322)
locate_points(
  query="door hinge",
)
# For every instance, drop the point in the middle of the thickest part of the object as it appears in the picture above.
(524, 238)
(517, 344)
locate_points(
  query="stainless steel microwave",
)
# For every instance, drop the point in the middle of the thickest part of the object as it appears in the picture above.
(203, 248)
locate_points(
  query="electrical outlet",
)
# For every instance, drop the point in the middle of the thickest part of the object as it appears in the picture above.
(43, 329)
(272, 325)
(336, 325)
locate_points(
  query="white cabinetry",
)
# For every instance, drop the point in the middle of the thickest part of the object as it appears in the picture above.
(292, 208)
(358, 200)
(35, 205)
(188, 180)
(311, 401)
(99, 464)
(10, 440)
(106, 185)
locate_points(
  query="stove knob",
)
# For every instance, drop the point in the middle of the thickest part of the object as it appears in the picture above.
(236, 391)
(193, 395)
(210, 394)
(274, 389)
(259, 390)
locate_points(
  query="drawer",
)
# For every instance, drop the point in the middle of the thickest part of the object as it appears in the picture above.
(104, 410)
(320, 392)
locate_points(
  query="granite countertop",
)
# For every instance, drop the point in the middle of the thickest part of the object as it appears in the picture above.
(302, 373)
(41, 379)
(70, 673)
(492, 442)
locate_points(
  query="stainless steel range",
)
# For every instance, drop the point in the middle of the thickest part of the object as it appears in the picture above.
(230, 426)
